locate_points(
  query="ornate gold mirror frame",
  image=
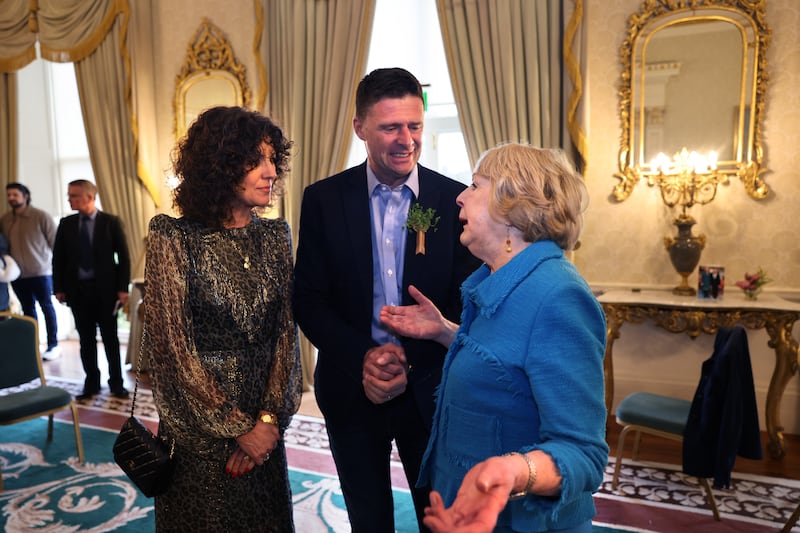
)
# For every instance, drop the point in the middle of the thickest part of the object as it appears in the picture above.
(744, 154)
(210, 76)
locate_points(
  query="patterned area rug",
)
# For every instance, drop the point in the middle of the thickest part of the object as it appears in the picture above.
(668, 500)
(650, 497)
(47, 489)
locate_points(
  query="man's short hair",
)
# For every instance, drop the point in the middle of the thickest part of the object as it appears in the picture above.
(385, 83)
(86, 185)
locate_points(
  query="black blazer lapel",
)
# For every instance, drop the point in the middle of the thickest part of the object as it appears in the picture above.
(358, 226)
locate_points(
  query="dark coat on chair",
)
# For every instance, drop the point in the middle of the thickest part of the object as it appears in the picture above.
(723, 419)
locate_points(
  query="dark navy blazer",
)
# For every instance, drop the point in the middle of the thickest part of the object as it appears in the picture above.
(333, 284)
(723, 419)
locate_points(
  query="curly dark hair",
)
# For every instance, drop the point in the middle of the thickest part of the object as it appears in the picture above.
(221, 146)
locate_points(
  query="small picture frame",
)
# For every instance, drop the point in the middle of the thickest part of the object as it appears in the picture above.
(711, 282)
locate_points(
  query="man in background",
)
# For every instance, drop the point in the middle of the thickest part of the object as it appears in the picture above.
(31, 233)
(91, 273)
(356, 255)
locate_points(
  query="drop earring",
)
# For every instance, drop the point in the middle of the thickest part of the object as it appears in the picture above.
(508, 239)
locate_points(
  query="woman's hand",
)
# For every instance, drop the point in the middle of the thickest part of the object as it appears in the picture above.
(485, 490)
(482, 496)
(239, 463)
(421, 321)
(254, 448)
(479, 518)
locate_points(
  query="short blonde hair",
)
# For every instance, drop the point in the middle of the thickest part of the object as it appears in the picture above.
(537, 190)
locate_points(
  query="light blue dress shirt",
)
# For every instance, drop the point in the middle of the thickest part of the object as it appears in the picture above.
(388, 211)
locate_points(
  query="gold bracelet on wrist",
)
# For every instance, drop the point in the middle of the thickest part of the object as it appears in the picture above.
(531, 477)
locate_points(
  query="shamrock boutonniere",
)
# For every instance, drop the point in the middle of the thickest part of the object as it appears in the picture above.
(421, 220)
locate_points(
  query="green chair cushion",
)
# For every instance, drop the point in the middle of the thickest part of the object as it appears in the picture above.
(30, 402)
(654, 411)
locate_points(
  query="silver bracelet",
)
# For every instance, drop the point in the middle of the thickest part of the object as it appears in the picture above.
(531, 476)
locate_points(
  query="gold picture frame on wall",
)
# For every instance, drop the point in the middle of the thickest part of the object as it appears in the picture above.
(651, 76)
(210, 76)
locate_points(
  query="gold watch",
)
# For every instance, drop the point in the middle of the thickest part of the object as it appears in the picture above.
(269, 418)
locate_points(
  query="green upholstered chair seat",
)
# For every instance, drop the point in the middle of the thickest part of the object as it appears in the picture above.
(20, 364)
(654, 411)
(685, 420)
(31, 402)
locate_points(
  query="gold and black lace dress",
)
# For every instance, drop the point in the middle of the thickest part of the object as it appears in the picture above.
(222, 346)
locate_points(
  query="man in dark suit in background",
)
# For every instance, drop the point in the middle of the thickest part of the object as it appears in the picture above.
(91, 273)
(354, 256)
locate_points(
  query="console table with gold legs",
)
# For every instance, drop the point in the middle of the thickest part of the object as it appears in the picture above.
(693, 316)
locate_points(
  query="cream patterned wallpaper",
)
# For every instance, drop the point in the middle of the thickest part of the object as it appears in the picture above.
(622, 245)
(623, 241)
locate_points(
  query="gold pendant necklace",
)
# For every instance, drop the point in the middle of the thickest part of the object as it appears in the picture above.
(244, 255)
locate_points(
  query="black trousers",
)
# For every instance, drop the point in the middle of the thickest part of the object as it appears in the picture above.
(361, 446)
(93, 309)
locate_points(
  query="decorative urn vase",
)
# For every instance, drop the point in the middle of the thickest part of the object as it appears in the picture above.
(684, 252)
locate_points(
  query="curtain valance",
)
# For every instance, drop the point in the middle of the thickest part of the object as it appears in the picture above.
(67, 30)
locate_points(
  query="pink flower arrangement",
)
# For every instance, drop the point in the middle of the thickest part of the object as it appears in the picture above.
(753, 283)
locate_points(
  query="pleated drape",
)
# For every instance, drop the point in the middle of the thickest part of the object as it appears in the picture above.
(92, 35)
(8, 127)
(505, 63)
(315, 53)
(111, 147)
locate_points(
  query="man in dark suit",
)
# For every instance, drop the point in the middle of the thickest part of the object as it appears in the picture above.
(91, 272)
(355, 255)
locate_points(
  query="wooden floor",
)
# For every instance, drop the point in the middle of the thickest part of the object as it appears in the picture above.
(652, 448)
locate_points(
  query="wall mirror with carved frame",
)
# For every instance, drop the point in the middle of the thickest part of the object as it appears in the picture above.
(694, 77)
(210, 76)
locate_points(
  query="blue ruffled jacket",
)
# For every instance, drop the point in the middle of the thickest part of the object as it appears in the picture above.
(525, 372)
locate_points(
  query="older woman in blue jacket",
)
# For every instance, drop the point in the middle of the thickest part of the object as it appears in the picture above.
(518, 441)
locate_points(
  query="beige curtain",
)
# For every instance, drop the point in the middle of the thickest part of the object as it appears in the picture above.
(105, 105)
(505, 63)
(17, 49)
(315, 53)
(145, 128)
(8, 127)
(92, 35)
(576, 92)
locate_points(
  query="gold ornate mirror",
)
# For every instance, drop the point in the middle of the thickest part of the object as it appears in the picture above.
(210, 76)
(693, 80)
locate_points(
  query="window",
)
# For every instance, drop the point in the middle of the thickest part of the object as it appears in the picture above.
(52, 139)
(419, 49)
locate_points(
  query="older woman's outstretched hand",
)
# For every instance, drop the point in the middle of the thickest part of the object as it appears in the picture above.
(421, 321)
(480, 516)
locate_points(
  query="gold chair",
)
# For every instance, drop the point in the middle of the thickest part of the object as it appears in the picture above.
(662, 416)
(21, 364)
(792, 520)
(723, 410)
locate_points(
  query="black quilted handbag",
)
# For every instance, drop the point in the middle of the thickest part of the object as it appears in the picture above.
(146, 459)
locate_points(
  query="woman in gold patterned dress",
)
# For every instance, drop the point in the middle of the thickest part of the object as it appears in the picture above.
(219, 332)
